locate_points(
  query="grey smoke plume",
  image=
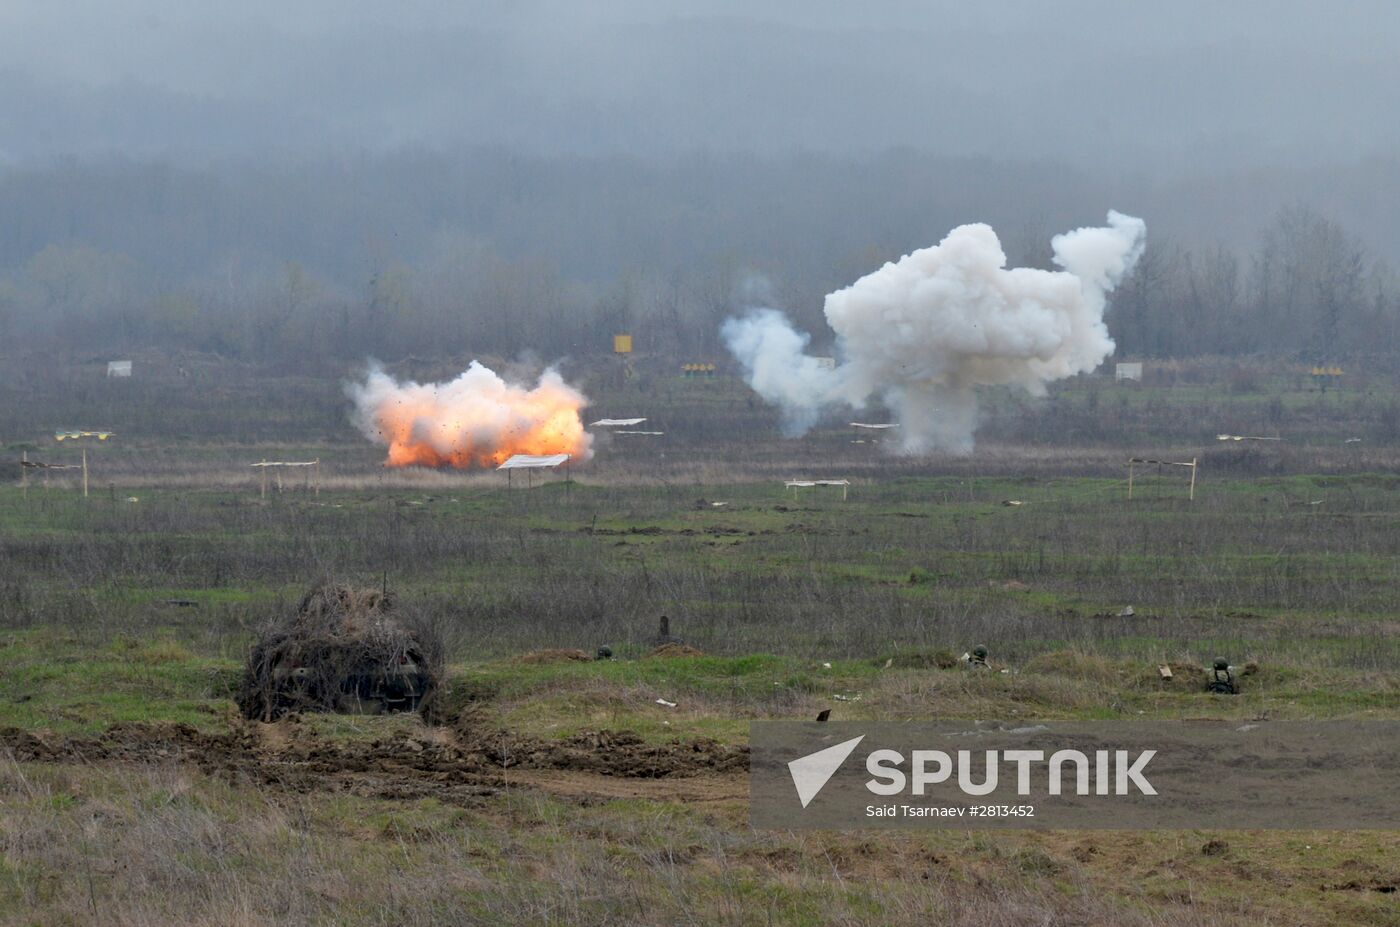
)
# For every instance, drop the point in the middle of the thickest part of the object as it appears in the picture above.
(924, 332)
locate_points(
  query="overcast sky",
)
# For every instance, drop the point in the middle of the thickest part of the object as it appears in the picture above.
(1114, 84)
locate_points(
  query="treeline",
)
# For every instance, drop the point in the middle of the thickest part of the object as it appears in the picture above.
(1309, 289)
(491, 253)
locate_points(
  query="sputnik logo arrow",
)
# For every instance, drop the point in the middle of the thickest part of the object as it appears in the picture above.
(811, 773)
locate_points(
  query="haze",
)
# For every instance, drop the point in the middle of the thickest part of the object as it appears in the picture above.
(191, 148)
(1137, 86)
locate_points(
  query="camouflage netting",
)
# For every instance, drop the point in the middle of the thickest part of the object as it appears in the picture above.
(344, 649)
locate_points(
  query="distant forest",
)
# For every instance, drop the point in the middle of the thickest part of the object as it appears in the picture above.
(487, 252)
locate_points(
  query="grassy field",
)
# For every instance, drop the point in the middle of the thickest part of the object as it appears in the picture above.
(557, 790)
(135, 794)
(1293, 569)
(199, 421)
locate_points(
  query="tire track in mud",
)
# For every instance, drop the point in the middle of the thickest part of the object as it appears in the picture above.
(463, 765)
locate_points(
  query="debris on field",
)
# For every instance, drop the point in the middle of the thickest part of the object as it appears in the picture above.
(664, 635)
(677, 650)
(554, 655)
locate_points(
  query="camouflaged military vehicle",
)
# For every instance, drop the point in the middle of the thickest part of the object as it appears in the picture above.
(344, 649)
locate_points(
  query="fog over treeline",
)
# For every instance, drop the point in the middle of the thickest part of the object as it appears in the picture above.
(336, 179)
(1088, 81)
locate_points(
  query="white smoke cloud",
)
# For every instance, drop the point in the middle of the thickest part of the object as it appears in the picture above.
(923, 332)
(778, 370)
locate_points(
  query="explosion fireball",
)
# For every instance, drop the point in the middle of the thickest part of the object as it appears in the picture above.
(476, 420)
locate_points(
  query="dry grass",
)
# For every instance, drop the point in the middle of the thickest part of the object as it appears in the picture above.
(163, 845)
(554, 655)
(919, 566)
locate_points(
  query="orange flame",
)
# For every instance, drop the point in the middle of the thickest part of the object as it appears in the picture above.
(476, 420)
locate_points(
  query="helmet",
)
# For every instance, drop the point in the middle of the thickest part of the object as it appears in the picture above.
(604, 653)
(979, 652)
(1222, 664)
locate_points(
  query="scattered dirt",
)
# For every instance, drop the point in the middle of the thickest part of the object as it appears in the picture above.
(1385, 887)
(554, 655)
(668, 651)
(801, 528)
(1356, 875)
(647, 530)
(462, 763)
(620, 754)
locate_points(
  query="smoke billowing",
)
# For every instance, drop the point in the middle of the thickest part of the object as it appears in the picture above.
(476, 420)
(923, 332)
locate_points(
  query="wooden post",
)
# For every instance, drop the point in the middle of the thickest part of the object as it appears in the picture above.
(24, 471)
(85, 475)
(1193, 479)
(262, 480)
(844, 487)
(318, 477)
(1130, 479)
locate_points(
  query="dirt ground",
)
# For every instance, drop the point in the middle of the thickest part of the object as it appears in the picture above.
(457, 763)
